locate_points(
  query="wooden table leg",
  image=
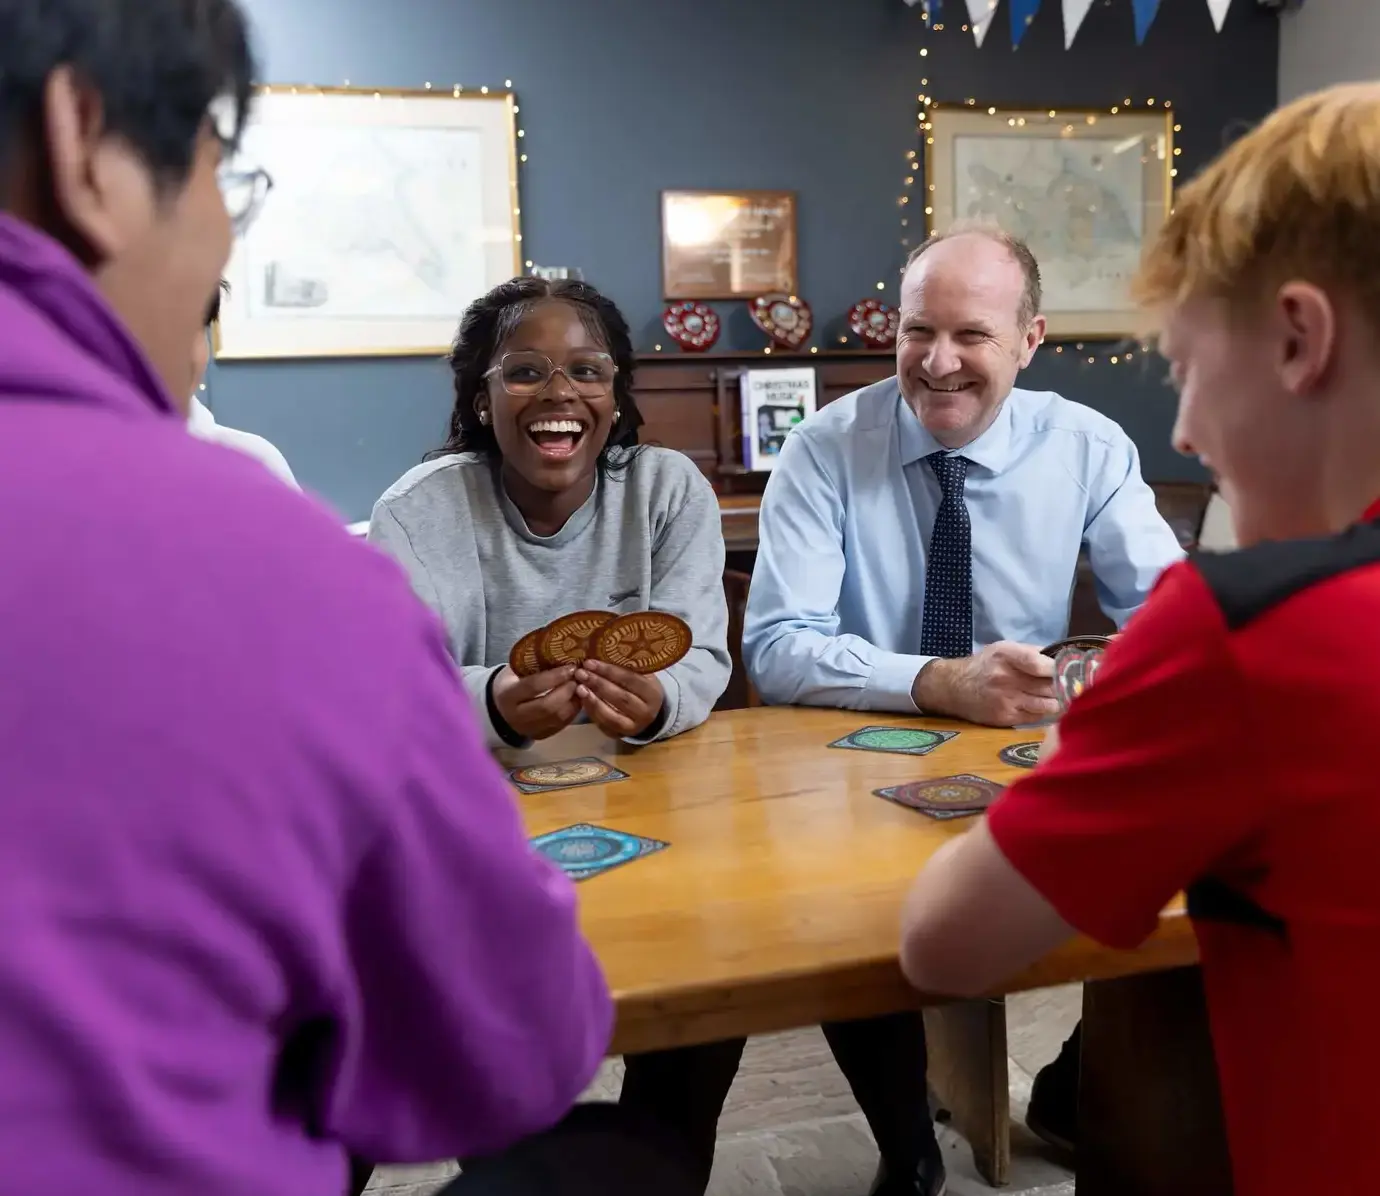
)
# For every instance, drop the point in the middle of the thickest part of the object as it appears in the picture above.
(967, 1049)
(1150, 1113)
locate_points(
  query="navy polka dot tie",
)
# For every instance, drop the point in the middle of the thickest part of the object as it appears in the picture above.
(947, 627)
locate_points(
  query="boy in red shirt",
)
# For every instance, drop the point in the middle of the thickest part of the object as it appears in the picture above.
(1226, 749)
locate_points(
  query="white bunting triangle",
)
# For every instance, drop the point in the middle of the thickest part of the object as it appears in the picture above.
(1074, 12)
(980, 14)
(1218, 8)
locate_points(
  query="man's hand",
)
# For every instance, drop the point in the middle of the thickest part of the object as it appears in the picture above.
(1004, 685)
(538, 706)
(619, 702)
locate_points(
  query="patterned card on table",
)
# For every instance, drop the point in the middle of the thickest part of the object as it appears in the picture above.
(584, 850)
(1022, 755)
(565, 774)
(908, 741)
(945, 797)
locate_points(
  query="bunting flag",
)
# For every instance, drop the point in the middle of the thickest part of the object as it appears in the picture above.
(1022, 13)
(1145, 11)
(980, 14)
(1074, 12)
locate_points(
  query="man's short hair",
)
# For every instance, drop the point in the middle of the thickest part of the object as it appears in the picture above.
(157, 64)
(213, 308)
(1031, 296)
(1296, 198)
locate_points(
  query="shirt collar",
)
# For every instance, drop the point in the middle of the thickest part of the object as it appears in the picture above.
(1372, 512)
(991, 450)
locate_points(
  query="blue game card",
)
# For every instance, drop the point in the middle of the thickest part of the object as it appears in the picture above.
(584, 850)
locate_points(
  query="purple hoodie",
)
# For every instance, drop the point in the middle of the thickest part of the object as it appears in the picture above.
(264, 897)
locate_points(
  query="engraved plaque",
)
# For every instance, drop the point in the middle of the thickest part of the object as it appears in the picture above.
(727, 244)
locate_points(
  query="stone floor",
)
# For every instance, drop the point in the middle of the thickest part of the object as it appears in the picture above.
(791, 1128)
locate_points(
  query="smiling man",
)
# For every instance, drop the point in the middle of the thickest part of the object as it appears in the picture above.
(1265, 282)
(920, 537)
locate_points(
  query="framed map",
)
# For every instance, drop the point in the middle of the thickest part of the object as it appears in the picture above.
(1083, 189)
(389, 212)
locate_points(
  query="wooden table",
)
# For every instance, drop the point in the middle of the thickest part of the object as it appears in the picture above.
(777, 904)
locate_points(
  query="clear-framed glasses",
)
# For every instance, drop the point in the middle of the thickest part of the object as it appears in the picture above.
(528, 372)
(244, 192)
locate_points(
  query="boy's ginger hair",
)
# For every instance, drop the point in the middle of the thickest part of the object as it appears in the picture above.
(1297, 198)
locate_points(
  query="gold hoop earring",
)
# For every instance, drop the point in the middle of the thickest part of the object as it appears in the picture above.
(484, 416)
(617, 414)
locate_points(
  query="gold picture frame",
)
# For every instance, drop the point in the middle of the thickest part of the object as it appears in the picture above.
(1085, 189)
(728, 244)
(390, 212)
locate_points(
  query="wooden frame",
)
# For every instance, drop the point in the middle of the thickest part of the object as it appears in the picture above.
(728, 244)
(1086, 212)
(390, 212)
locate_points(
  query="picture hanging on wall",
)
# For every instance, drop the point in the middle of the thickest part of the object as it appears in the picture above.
(1085, 190)
(727, 244)
(387, 214)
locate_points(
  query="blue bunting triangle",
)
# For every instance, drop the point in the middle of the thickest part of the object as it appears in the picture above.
(1022, 12)
(1145, 11)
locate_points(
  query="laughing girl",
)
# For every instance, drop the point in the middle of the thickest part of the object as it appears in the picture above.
(541, 502)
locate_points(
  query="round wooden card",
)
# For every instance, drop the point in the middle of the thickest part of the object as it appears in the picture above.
(524, 659)
(570, 639)
(645, 642)
(1077, 641)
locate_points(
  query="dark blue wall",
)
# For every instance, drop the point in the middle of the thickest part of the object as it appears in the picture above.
(621, 98)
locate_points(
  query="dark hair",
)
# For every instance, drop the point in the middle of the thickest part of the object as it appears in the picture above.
(492, 319)
(1031, 297)
(157, 64)
(213, 308)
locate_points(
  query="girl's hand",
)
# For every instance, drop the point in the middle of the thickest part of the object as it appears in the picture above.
(619, 702)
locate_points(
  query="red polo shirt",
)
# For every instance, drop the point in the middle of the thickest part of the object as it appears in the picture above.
(1229, 749)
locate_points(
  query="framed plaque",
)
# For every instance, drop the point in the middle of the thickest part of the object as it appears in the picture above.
(727, 244)
(1085, 190)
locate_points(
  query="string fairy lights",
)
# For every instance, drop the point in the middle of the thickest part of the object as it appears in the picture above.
(918, 177)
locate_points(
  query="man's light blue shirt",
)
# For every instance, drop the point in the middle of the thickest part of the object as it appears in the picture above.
(837, 597)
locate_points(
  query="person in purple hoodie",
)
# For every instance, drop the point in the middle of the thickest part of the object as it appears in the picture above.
(265, 901)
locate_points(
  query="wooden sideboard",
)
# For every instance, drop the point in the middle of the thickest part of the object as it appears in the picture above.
(690, 402)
